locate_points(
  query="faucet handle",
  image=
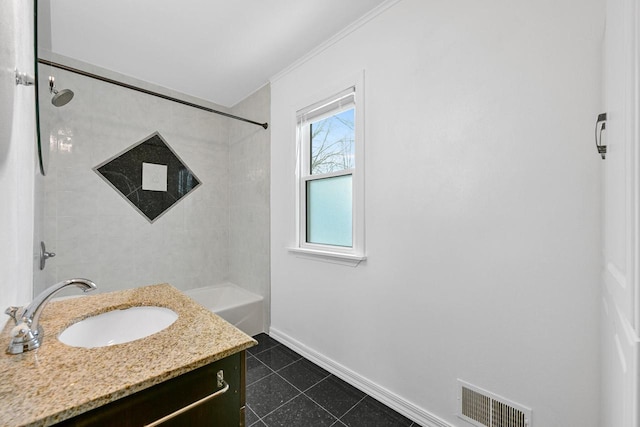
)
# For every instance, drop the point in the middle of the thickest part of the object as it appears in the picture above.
(21, 330)
(12, 312)
(23, 339)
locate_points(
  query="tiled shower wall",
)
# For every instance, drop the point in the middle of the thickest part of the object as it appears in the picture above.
(94, 232)
(249, 158)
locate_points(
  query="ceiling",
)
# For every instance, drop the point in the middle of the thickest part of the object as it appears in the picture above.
(217, 50)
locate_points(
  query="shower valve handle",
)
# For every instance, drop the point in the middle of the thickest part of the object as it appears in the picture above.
(44, 255)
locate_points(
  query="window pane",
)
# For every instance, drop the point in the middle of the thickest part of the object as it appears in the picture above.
(332, 143)
(329, 220)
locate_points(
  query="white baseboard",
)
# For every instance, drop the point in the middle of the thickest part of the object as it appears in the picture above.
(408, 409)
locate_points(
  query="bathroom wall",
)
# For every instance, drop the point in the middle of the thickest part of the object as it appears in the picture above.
(17, 154)
(249, 148)
(94, 232)
(482, 204)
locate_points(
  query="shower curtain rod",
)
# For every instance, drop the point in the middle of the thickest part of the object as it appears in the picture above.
(148, 92)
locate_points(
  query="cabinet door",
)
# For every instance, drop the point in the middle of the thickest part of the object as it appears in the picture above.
(149, 405)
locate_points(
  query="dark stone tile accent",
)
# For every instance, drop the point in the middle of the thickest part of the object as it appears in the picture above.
(256, 370)
(371, 413)
(335, 395)
(124, 173)
(277, 357)
(258, 424)
(269, 393)
(300, 412)
(303, 374)
(265, 342)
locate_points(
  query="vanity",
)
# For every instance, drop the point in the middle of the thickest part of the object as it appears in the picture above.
(191, 373)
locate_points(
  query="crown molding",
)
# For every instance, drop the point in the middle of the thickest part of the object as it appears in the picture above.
(381, 8)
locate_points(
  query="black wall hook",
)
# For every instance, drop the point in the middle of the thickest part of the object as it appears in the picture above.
(602, 149)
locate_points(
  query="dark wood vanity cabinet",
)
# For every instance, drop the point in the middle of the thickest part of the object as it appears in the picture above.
(154, 403)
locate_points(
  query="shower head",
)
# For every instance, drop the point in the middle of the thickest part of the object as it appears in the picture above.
(60, 98)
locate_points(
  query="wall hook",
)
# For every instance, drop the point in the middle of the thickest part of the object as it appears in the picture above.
(602, 149)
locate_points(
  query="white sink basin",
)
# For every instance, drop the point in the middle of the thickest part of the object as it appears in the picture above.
(118, 326)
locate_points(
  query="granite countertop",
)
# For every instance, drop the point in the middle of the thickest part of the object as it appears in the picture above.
(57, 382)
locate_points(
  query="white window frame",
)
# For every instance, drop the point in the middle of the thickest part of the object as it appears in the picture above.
(338, 254)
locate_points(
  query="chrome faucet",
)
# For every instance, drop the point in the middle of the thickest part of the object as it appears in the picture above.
(27, 334)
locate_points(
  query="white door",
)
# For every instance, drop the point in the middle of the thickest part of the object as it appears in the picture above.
(620, 308)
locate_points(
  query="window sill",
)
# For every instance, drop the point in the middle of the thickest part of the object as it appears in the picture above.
(326, 256)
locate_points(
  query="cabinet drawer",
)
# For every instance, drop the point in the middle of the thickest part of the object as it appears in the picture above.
(147, 406)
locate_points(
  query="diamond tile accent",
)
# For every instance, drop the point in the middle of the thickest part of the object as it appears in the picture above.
(123, 172)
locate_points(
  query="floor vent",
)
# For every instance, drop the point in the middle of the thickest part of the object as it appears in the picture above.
(484, 409)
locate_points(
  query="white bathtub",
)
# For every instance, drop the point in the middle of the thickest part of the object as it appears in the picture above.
(236, 305)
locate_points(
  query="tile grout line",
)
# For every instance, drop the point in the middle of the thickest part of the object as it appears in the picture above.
(300, 393)
(279, 369)
(269, 413)
(285, 380)
(255, 356)
(309, 388)
(266, 349)
(338, 420)
(260, 379)
(258, 420)
(351, 409)
(322, 407)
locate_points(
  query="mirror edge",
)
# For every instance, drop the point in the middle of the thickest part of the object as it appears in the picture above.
(37, 103)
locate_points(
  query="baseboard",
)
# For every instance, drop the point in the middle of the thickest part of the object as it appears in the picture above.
(408, 409)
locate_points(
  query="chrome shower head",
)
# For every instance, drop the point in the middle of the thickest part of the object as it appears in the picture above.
(60, 98)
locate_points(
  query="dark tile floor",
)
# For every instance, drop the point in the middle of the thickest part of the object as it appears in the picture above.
(285, 389)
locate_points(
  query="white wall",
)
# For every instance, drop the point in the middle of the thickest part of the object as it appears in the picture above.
(249, 147)
(482, 208)
(94, 232)
(17, 154)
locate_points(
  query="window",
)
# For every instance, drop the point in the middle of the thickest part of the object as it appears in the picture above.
(330, 193)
